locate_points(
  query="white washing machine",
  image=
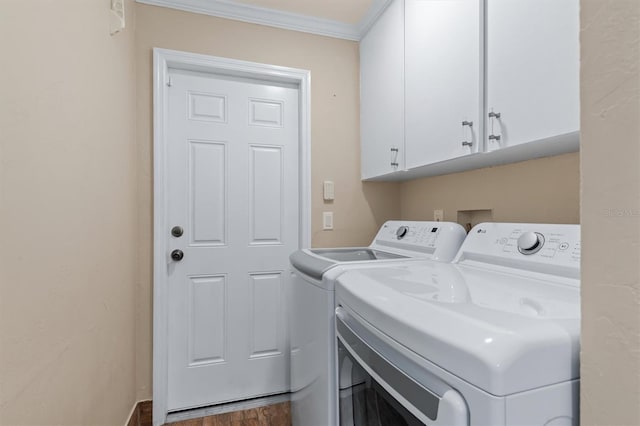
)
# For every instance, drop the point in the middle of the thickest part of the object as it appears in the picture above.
(312, 318)
(492, 339)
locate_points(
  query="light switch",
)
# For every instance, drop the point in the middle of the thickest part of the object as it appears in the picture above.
(328, 190)
(116, 23)
(327, 220)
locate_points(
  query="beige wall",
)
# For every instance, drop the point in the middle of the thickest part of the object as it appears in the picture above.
(358, 208)
(69, 177)
(610, 158)
(537, 191)
(67, 209)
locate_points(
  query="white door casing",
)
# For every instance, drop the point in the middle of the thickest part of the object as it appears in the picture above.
(231, 158)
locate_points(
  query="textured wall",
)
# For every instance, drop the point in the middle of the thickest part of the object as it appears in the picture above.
(538, 191)
(359, 208)
(67, 196)
(68, 214)
(610, 161)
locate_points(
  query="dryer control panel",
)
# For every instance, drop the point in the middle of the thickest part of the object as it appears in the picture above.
(545, 248)
(436, 240)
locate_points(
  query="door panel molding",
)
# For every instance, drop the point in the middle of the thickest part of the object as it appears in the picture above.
(163, 61)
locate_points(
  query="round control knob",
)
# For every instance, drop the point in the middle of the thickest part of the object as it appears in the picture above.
(401, 232)
(530, 242)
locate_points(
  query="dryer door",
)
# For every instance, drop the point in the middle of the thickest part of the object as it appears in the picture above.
(372, 390)
(364, 401)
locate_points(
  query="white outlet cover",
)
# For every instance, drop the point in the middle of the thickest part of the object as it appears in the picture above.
(327, 220)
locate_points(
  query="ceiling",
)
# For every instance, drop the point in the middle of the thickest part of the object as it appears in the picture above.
(347, 11)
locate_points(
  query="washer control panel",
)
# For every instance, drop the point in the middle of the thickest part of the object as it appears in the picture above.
(408, 232)
(518, 244)
(439, 240)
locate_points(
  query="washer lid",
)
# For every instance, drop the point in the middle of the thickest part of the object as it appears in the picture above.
(395, 240)
(315, 262)
(355, 254)
(501, 332)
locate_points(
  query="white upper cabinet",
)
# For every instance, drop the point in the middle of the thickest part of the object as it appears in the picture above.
(443, 49)
(453, 85)
(532, 70)
(382, 94)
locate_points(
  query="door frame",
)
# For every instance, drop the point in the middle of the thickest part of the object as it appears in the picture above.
(163, 60)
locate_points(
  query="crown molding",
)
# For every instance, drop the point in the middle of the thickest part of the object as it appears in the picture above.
(275, 18)
(371, 16)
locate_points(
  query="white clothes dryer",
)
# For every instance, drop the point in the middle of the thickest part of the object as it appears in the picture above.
(492, 339)
(312, 319)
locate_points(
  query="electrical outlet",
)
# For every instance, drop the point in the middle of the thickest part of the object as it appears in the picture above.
(438, 215)
(327, 221)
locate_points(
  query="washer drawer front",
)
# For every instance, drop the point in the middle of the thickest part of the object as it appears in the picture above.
(361, 367)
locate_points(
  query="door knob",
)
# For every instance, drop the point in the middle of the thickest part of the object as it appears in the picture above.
(177, 255)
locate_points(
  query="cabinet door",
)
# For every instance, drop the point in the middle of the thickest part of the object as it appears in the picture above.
(532, 70)
(443, 79)
(382, 94)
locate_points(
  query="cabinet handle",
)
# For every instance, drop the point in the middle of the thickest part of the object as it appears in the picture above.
(494, 114)
(394, 157)
(470, 124)
(494, 138)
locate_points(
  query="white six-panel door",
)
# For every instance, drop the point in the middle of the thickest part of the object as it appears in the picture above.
(233, 176)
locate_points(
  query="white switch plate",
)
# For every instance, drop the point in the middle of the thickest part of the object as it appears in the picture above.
(116, 23)
(438, 215)
(328, 191)
(327, 220)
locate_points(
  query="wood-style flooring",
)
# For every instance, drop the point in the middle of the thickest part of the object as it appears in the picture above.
(270, 415)
(141, 415)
